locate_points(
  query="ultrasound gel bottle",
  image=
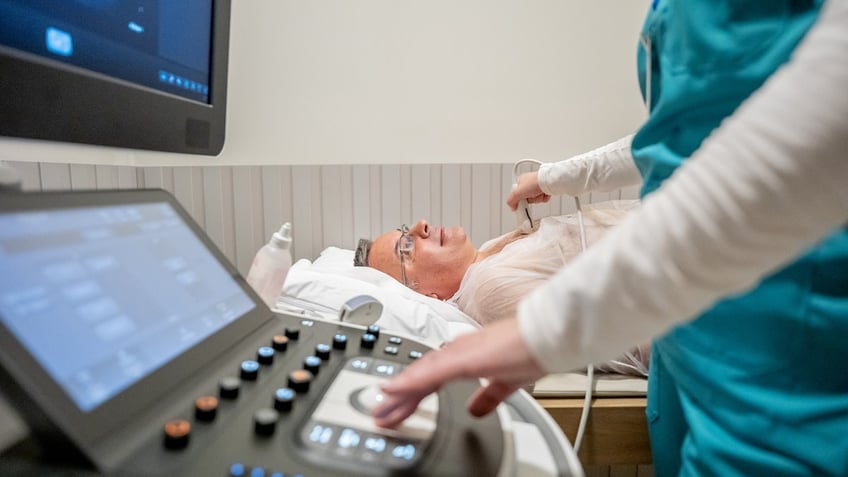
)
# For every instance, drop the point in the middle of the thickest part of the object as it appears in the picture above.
(271, 265)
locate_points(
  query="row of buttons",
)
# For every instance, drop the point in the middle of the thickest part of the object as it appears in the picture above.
(240, 470)
(364, 446)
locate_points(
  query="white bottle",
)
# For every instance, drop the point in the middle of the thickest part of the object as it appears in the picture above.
(271, 265)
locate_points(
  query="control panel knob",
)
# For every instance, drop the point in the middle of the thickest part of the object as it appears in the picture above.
(299, 380)
(322, 351)
(280, 342)
(292, 333)
(249, 370)
(283, 399)
(312, 364)
(339, 341)
(177, 432)
(265, 355)
(265, 421)
(374, 330)
(367, 341)
(205, 408)
(228, 387)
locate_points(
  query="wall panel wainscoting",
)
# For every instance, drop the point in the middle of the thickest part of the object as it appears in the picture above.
(331, 205)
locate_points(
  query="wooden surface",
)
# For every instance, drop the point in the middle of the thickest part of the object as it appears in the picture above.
(616, 432)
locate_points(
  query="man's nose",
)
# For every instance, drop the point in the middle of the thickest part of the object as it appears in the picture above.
(421, 229)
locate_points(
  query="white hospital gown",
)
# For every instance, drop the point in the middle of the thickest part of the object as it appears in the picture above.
(492, 288)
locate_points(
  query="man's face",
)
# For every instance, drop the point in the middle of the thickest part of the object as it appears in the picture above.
(436, 264)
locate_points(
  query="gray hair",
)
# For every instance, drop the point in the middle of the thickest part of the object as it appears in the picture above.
(363, 250)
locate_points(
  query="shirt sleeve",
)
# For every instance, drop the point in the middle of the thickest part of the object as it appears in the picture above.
(766, 185)
(601, 170)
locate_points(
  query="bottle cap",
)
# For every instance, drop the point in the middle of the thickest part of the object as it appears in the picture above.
(283, 238)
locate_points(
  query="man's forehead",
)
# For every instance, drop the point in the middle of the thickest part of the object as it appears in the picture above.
(385, 247)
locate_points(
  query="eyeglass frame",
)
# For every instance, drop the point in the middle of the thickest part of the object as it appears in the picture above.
(405, 245)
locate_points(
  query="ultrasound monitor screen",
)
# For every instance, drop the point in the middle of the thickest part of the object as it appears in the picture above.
(103, 296)
(164, 45)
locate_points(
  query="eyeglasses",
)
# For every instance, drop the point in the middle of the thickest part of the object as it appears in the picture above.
(405, 246)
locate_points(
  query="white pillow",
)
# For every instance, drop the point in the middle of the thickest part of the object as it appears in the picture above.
(323, 287)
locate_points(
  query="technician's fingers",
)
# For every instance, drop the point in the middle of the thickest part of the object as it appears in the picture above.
(395, 409)
(474, 355)
(527, 187)
(487, 398)
(403, 393)
(539, 199)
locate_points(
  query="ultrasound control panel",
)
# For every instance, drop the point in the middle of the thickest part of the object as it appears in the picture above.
(297, 403)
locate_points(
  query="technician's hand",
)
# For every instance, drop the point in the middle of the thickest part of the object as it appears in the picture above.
(527, 188)
(497, 352)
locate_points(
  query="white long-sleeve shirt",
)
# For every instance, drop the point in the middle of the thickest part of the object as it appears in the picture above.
(770, 182)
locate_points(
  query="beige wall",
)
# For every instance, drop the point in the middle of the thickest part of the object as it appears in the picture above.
(402, 82)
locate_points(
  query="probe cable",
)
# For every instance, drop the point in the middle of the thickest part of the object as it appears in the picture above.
(522, 213)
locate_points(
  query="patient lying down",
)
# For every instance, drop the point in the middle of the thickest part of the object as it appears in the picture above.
(488, 283)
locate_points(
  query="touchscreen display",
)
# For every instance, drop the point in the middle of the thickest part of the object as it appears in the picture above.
(103, 296)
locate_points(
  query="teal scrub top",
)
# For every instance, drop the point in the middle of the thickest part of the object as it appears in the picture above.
(768, 353)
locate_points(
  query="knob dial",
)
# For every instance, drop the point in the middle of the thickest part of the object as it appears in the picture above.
(265, 355)
(368, 341)
(283, 399)
(177, 432)
(322, 351)
(339, 341)
(292, 333)
(312, 364)
(228, 387)
(280, 342)
(265, 421)
(299, 380)
(205, 408)
(249, 370)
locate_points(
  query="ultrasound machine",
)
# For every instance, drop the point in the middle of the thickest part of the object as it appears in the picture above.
(130, 346)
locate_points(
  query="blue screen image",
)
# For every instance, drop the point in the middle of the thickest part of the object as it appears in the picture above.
(164, 45)
(103, 296)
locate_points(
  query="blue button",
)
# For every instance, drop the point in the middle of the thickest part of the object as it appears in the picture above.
(359, 364)
(348, 439)
(415, 354)
(312, 361)
(277, 474)
(237, 470)
(284, 393)
(375, 444)
(395, 340)
(404, 452)
(385, 369)
(249, 365)
(321, 434)
(257, 472)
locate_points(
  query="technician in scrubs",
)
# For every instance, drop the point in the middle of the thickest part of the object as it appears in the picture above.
(736, 264)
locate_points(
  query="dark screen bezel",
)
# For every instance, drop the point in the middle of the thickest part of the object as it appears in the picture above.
(86, 427)
(48, 100)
